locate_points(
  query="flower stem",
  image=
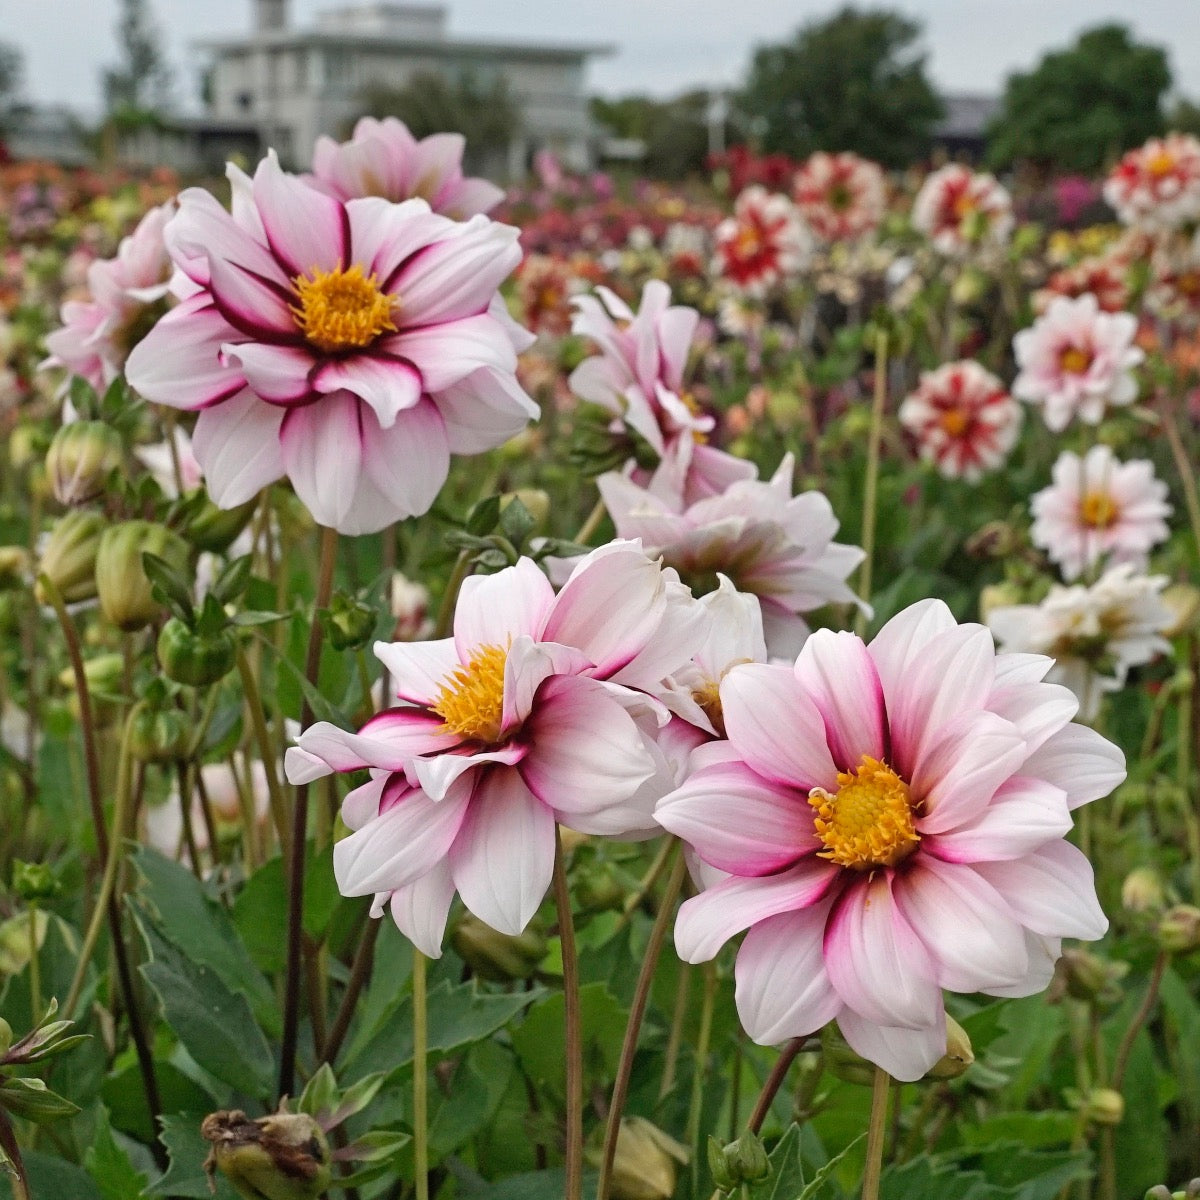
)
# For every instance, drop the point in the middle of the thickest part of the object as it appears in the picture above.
(266, 750)
(1125, 1049)
(774, 1082)
(420, 1077)
(592, 523)
(641, 995)
(703, 1038)
(35, 967)
(1187, 475)
(871, 483)
(360, 972)
(574, 1028)
(875, 1134)
(12, 1151)
(295, 925)
(445, 617)
(675, 1037)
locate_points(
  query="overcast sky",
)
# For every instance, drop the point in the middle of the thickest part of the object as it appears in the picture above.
(661, 46)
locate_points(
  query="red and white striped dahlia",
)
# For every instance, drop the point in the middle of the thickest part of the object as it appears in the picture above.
(840, 196)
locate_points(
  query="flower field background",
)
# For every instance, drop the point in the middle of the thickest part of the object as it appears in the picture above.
(605, 690)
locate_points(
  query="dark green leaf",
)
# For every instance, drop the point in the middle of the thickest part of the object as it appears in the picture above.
(186, 1176)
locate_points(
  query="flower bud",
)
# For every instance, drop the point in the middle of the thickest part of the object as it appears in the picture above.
(738, 1163)
(350, 623)
(6, 1038)
(126, 594)
(499, 957)
(69, 557)
(81, 458)
(25, 445)
(644, 1162)
(1086, 976)
(14, 567)
(158, 735)
(1183, 599)
(34, 882)
(215, 529)
(195, 659)
(536, 501)
(1101, 1106)
(842, 1062)
(959, 1053)
(1179, 929)
(281, 1157)
(1142, 890)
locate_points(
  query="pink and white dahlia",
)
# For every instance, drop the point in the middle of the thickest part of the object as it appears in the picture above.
(1158, 184)
(1174, 289)
(128, 294)
(892, 819)
(1095, 634)
(762, 243)
(533, 712)
(961, 210)
(1106, 278)
(1100, 508)
(963, 420)
(769, 543)
(840, 196)
(383, 158)
(352, 347)
(1076, 361)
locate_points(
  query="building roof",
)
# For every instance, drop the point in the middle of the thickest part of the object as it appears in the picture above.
(967, 116)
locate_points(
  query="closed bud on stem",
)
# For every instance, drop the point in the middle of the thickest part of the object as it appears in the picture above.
(644, 1166)
(158, 735)
(536, 501)
(842, 1062)
(126, 593)
(741, 1162)
(959, 1053)
(196, 659)
(281, 1157)
(212, 528)
(69, 558)
(1142, 890)
(6, 1038)
(81, 458)
(1085, 976)
(499, 957)
(1179, 929)
(34, 882)
(1183, 599)
(350, 623)
(1102, 1106)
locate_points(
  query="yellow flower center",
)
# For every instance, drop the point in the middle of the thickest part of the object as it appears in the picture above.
(954, 421)
(342, 310)
(965, 205)
(1160, 164)
(708, 697)
(748, 242)
(868, 822)
(471, 701)
(1075, 360)
(1098, 510)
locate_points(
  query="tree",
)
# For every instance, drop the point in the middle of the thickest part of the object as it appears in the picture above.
(1080, 108)
(141, 85)
(12, 71)
(674, 132)
(852, 82)
(1184, 117)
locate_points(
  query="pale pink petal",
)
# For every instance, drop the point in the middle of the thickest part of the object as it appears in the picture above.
(503, 858)
(776, 728)
(905, 1054)
(202, 231)
(876, 961)
(528, 665)
(1038, 710)
(277, 374)
(447, 352)
(237, 446)
(438, 774)
(388, 741)
(783, 990)
(420, 909)
(494, 609)
(419, 670)
(323, 451)
(1024, 814)
(257, 307)
(1077, 759)
(972, 938)
(361, 804)
(301, 767)
(389, 386)
(307, 229)
(1043, 954)
(837, 672)
(738, 821)
(484, 410)
(385, 236)
(707, 921)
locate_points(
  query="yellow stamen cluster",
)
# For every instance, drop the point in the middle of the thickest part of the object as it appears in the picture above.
(1161, 164)
(868, 822)
(748, 241)
(708, 697)
(1075, 360)
(1098, 510)
(954, 421)
(471, 701)
(342, 309)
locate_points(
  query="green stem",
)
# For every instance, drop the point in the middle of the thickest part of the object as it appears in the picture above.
(703, 1039)
(641, 995)
(1187, 475)
(1125, 1049)
(675, 1037)
(420, 1077)
(592, 523)
(360, 972)
(574, 1026)
(12, 1150)
(875, 1135)
(871, 483)
(266, 749)
(35, 966)
(445, 617)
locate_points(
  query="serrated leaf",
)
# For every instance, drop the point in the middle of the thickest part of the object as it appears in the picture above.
(109, 1165)
(822, 1175)
(481, 520)
(186, 1177)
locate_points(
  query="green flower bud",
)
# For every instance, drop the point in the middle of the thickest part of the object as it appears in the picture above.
(599, 889)
(1179, 929)
(499, 957)
(740, 1162)
(194, 658)
(14, 567)
(69, 559)
(159, 735)
(1101, 1106)
(281, 1157)
(126, 594)
(1086, 976)
(959, 1053)
(1142, 890)
(997, 595)
(34, 882)
(350, 623)
(536, 501)
(842, 1062)
(645, 1161)
(6, 1037)
(81, 458)
(213, 528)
(25, 445)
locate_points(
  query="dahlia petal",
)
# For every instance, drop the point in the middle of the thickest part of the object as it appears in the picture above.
(707, 921)
(1037, 710)
(1077, 759)
(202, 232)
(301, 767)
(528, 665)
(438, 774)
(362, 804)
(253, 305)
(503, 857)
(1043, 954)
(875, 959)
(387, 385)
(386, 235)
(277, 374)
(782, 989)
(419, 670)
(776, 728)
(323, 451)
(905, 1054)
(494, 609)
(972, 938)
(738, 821)
(388, 741)
(483, 410)
(838, 674)
(676, 328)
(308, 230)
(421, 908)
(237, 446)
(404, 842)
(1025, 813)
(447, 352)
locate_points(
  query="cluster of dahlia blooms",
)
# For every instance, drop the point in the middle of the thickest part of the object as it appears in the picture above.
(1099, 508)
(963, 420)
(961, 210)
(1158, 184)
(840, 196)
(761, 244)
(1106, 278)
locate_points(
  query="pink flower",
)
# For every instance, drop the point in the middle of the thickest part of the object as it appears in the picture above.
(892, 821)
(1077, 361)
(1158, 184)
(1100, 507)
(533, 712)
(127, 293)
(761, 244)
(1105, 278)
(960, 210)
(349, 346)
(769, 543)
(384, 159)
(840, 196)
(963, 420)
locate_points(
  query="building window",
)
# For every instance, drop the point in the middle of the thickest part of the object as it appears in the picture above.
(245, 101)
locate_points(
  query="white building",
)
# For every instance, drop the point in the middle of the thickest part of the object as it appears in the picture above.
(295, 84)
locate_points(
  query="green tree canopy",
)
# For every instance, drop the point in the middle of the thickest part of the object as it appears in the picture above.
(141, 84)
(855, 81)
(675, 131)
(12, 71)
(1079, 108)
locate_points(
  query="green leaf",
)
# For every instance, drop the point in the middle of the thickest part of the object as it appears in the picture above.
(481, 520)
(381, 1150)
(516, 521)
(186, 1176)
(478, 1088)
(534, 1185)
(1031, 1174)
(51, 1178)
(170, 586)
(539, 1042)
(125, 1098)
(232, 581)
(214, 1023)
(33, 1100)
(246, 620)
(1034, 1130)
(926, 1178)
(822, 1175)
(109, 1165)
(787, 1169)
(319, 1093)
